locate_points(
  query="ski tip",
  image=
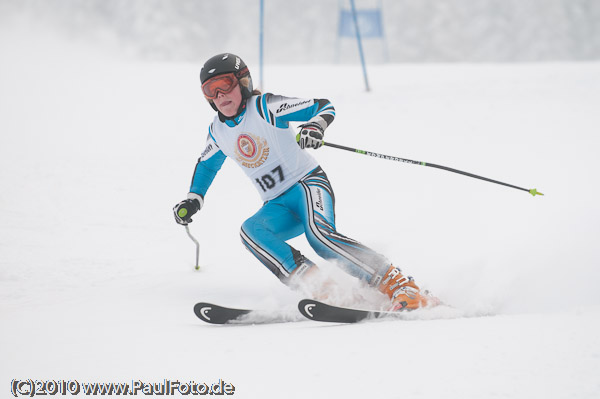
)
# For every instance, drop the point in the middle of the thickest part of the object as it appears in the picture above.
(215, 314)
(306, 306)
(203, 310)
(319, 311)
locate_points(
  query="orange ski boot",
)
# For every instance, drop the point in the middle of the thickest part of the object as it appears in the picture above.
(403, 291)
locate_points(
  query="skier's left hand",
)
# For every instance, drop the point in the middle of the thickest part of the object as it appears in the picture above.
(184, 210)
(310, 136)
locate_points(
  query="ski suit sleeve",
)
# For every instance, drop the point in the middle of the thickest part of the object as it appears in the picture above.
(280, 111)
(208, 165)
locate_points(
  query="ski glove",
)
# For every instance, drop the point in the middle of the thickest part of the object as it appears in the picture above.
(310, 136)
(184, 210)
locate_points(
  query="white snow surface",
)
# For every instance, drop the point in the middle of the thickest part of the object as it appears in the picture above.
(97, 280)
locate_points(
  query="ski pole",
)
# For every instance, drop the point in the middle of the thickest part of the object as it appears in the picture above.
(531, 191)
(187, 229)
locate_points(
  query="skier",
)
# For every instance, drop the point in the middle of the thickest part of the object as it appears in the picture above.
(254, 130)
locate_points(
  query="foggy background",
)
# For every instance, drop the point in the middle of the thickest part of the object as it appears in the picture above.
(102, 121)
(306, 31)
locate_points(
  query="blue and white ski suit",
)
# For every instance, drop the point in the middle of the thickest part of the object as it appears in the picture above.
(297, 195)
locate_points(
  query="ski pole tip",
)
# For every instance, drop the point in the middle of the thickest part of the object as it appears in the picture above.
(534, 192)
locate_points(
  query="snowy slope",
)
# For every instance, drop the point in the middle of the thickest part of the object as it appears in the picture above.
(97, 281)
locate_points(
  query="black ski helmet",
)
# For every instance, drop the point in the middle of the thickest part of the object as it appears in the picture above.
(225, 63)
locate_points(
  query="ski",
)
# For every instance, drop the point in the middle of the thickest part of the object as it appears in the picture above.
(215, 314)
(309, 308)
(319, 311)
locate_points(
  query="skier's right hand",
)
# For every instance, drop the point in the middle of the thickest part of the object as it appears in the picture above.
(184, 210)
(310, 136)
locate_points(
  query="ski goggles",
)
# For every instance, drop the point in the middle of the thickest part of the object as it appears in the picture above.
(221, 83)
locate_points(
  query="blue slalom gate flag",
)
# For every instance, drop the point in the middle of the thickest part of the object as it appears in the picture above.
(370, 23)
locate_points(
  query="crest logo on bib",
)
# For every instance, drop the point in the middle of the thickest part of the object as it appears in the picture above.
(251, 151)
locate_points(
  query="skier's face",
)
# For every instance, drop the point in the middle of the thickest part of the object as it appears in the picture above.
(229, 103)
